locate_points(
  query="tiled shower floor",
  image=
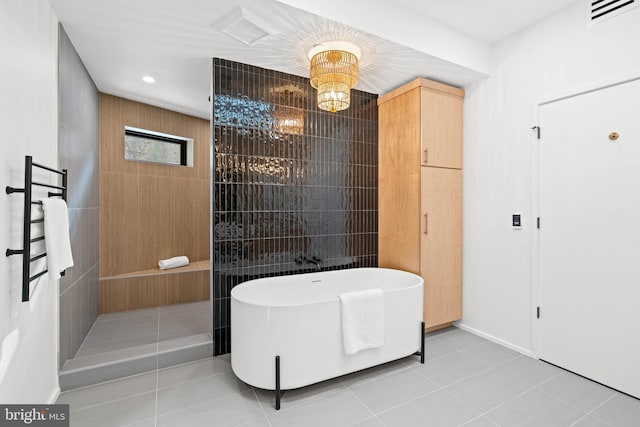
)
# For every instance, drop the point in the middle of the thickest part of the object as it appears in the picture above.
(117, 331)
(466, 381)
(134, 342)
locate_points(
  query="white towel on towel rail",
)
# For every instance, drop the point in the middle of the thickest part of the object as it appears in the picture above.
(362, 320)
(176, 261)
(56, 236)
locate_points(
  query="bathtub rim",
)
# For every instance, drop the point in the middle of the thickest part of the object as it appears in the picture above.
(325, 300)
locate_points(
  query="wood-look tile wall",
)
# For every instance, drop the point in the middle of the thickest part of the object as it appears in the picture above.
(150, 211)
(133, 293)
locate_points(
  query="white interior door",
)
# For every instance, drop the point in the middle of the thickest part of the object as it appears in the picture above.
(590, 235)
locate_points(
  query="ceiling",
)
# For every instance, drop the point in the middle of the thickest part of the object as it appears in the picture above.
(120, 41)
(486, 20)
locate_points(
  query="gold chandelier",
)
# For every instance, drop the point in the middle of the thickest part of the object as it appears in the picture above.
(334, 72)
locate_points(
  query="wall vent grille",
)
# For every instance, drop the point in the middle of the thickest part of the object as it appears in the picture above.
(601, 10)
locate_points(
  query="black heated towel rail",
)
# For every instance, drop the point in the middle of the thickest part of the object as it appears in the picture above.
(27, 240)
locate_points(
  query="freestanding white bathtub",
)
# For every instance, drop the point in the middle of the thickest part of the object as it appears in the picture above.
(298, 319)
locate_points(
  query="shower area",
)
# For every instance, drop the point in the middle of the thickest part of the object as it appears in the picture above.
(138, 193)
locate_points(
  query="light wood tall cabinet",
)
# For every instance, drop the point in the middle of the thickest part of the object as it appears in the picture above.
(420, 192)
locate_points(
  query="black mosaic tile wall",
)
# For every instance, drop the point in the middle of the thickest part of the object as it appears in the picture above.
(290, 182)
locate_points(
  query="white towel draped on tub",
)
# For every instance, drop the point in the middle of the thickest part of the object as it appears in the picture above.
(176, 261)
(362, 320)
(56, 236)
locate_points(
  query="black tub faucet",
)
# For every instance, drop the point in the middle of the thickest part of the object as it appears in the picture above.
(317, 261)
(313, 260)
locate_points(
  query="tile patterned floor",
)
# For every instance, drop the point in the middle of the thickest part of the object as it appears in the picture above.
(467, 381)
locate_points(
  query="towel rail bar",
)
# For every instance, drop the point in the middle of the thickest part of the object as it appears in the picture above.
(38, 165)
(57, 187)
(35, 276)
(37, 257)
(27, 240)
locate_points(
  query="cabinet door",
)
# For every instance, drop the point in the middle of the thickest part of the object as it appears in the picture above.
(441, 140)
(441, 244)
(399, 182)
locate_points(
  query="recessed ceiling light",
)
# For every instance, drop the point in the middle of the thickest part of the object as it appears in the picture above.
(148, 79)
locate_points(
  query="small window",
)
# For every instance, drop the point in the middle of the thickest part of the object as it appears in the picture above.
(147, 146)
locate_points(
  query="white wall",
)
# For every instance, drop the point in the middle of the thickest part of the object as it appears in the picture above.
(28, 119)
(557, 55)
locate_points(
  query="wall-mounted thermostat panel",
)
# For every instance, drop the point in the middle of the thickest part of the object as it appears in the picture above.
(516, 221)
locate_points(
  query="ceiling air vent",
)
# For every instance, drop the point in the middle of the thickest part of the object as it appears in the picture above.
(605, 9)
(243, 25)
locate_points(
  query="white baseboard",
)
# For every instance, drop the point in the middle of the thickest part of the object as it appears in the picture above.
(496, 340)
(54, 396)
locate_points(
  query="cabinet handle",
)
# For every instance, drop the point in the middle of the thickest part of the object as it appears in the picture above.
(426, 155)
(426, 223)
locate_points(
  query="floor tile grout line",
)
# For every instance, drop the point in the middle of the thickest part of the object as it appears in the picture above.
(468, 376)
(190, 381)
(107, 340)
(380, 420)
(438, 333)
(367, 419)
(408, 401)
(311, 399)
(454, 397)
(487, 367)
(107, 382)
(261, 407)
(359, 400)
(531, 388)
(518, 355)
(486, 413)
(586, 413)
(403, 361)
(591, 413)
(390, 374)
(549, 395)
(113, 400)
(147, 312)
(477, 418)
(462, 350)
(580, 419)
(229, 396)
(123, 315)
(483, 342)
(84, 339)
(363, 404)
